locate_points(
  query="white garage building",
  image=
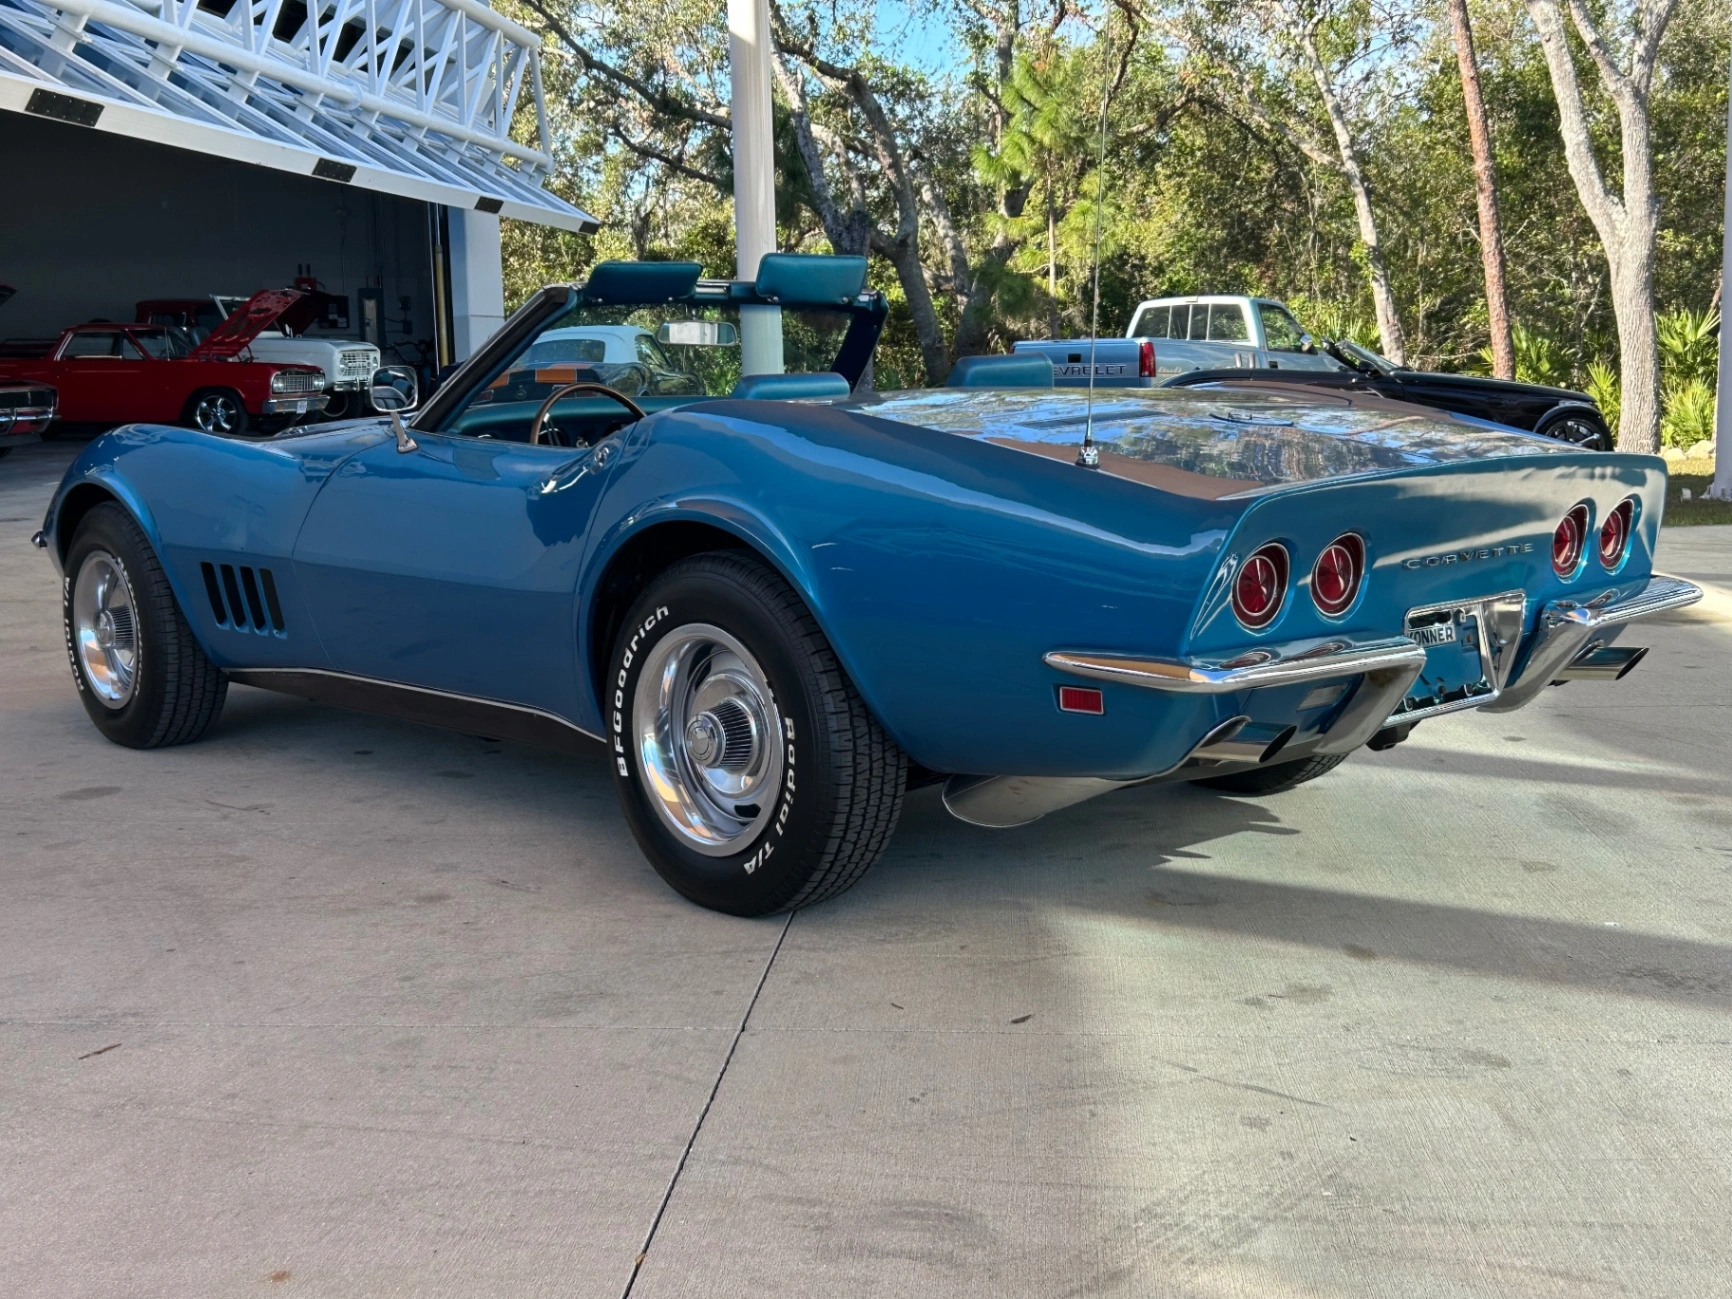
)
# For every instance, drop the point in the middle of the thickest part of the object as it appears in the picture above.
(176, 148)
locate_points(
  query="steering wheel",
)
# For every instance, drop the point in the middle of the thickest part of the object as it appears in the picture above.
(536, 428)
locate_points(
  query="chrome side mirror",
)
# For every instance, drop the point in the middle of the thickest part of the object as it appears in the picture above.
(394, 390)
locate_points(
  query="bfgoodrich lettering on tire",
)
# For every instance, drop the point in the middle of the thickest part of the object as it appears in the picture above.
(140, 673)
(752, 774)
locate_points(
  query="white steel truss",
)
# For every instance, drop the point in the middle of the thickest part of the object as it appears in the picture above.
(411, 97)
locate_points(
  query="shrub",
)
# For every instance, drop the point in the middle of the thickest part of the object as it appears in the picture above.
(1687, 413)
(1602, 386)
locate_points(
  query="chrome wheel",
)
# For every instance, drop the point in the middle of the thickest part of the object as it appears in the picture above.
(105, 627)
(216, 412)
(707, 732)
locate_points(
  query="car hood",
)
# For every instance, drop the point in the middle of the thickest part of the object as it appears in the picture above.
(1479, 383)
(257, 314)
(1214, 444)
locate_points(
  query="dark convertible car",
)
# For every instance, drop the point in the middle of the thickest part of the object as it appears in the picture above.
(1555, 412)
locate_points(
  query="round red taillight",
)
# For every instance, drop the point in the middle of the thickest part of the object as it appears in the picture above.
(1615, 535)
(1567, 541)
(1335, 576)
(1260, 586)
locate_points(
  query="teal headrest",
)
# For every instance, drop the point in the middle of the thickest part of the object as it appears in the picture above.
(1019, 370)
(790, 387)
(808, 279)
(641, 281)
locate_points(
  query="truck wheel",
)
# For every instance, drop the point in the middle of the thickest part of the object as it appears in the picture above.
(141, 676)
(1578, 428)
(1277, 777)
(751, 772)
(217, 410)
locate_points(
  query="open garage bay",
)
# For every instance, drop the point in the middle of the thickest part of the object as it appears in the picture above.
(330, 1005)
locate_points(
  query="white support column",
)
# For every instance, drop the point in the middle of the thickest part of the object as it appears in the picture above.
(1721, 488)
(477, 281)
(754, 175)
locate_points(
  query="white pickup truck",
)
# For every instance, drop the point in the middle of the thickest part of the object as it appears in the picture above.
(1171, 336)
(349, 362)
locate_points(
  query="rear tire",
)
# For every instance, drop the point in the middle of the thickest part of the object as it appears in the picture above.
(1277, 777)
(141, 675)
(720, 691)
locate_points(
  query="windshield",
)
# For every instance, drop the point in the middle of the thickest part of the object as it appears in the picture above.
(663, 355)
(163, 344)
(1361, 358)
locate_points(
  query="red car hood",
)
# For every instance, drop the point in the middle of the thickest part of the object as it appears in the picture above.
(257, 314)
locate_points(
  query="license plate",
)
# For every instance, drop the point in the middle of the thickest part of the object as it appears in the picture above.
(300, 408)
(1437, 633)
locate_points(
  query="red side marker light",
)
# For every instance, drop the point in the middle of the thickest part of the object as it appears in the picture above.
(1081, 699)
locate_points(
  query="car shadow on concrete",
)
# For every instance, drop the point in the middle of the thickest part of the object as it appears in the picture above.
(1132, 847)
(1123, 855)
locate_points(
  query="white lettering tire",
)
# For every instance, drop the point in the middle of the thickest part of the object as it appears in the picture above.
(751, 772)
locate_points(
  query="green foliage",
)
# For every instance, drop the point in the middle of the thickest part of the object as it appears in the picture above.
(1603, 387)
(1537, 358)
(1202, 193)
(1689, 345)
(1687, 414)
(1335, 319)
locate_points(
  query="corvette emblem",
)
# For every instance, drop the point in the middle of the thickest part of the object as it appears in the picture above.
(1468, 556)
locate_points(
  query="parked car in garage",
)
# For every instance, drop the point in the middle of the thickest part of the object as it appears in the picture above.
(776, 607)
(26, 411)
(348, 363)
(1224, 339)
(122, 373)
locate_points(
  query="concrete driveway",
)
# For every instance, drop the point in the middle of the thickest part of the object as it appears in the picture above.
(329, 1005)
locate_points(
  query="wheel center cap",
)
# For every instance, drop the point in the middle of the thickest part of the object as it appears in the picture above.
(704, 739)
(105, 629)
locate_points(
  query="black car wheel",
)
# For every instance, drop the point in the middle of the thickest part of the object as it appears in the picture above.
(141, 675)
(1578, 428)
(217, 410)
(1276, 778)
(753, 776)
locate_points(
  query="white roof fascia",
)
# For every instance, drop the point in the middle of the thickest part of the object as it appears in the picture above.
(427, 119)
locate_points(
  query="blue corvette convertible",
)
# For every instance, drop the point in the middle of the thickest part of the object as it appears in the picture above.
(780, 604)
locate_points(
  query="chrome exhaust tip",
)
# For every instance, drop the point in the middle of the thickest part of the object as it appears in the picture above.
(1254, 742)
(1603, 663)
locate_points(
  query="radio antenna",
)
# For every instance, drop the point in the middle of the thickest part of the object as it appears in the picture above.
(1089, 456)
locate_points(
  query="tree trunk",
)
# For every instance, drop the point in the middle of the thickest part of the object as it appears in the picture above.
(1382, 296)
(1051, 261)
(1485, 188)
(1629, 227)
(1638, 344)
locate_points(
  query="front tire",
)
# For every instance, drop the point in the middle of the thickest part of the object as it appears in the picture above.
(751, 772)
(1277, 777)
(217, 410)
(141, 675)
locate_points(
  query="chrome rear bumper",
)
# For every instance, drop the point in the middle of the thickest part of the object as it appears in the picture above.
(1565, 631)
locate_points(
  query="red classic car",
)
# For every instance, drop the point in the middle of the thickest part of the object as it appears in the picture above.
(122, 373)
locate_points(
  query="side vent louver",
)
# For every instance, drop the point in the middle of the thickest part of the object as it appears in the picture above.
(259, 609)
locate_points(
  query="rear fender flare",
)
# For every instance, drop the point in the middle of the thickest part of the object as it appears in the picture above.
(752, 531)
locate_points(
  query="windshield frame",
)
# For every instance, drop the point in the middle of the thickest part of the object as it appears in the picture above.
(866, 314)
